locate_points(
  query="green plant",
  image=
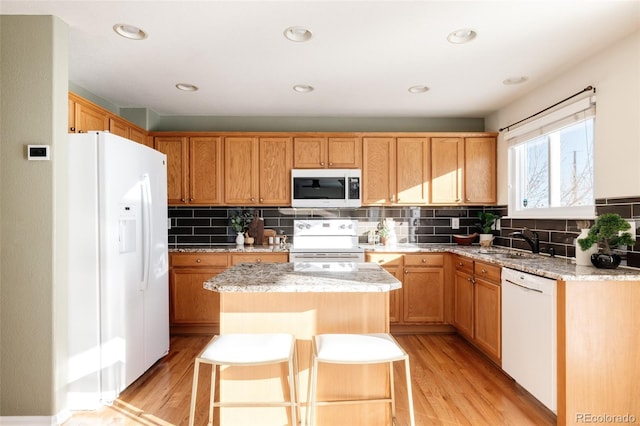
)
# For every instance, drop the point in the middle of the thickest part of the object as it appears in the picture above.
(608, 233)
(486, 220)
(382, 229)
(240, 221)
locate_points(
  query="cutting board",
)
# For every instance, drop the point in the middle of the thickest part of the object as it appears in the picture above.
(268, 233)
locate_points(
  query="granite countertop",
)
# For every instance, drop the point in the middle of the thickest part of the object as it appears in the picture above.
(558, 268)
(281, 278)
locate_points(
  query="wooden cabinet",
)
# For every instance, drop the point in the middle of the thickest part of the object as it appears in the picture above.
(463, 170)
(423, 284)
(194, 169)
(395, 170)
(392, 263)
(85, 116)
(122, 127)
(257, 170)
(477, 305)
(419, 306)
(327, 152)
(192, 308)
(260, 257)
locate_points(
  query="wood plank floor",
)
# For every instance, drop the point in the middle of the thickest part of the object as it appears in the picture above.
(453, 384)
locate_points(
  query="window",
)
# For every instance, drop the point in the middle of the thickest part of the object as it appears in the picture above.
(551, 164)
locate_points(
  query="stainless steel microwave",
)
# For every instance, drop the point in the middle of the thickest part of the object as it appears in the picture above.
(326, 188)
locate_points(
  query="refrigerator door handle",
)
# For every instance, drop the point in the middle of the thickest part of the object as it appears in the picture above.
(146, 231)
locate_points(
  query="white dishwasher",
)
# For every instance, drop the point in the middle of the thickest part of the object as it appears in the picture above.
(529, 347)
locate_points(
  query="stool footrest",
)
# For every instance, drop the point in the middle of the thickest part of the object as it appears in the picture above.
(353, 401)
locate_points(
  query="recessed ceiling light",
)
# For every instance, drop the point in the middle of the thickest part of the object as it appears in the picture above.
(186, 87)
(418, 89)
(129, 31)
(303, 88)
(515, 80)
(297, 34)
(461, 36)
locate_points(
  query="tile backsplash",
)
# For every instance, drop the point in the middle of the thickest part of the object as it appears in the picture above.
(208, 226)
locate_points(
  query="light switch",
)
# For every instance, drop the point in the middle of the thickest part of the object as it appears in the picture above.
(38, 152)
(455, 223)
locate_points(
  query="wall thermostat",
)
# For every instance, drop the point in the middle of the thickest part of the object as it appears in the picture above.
(38, 152)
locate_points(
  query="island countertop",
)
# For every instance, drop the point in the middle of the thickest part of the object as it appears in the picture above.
(282, 278)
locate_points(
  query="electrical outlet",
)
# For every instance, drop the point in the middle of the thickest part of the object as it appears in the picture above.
(455, 223)
(497, 225)
(632, 230)
(168, 223)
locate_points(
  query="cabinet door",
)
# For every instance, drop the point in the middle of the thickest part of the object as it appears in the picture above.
(71, 115)
(463, 303)
(392, 263)
(118, 127)
(259, 258)
(89, 118)
(480, 170)
(241, 170)
(423, 293)
(139, 136)
(344, 153)
(191, 303)
(177, 151)
(309, 153)
(378, 171)
(412, 170)
(447, 161)
(275, 171)
(205, 170)
(487, 321)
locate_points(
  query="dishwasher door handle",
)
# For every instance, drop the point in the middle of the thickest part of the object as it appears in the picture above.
(524, 287)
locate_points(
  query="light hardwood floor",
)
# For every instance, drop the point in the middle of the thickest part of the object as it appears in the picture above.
(453, 384)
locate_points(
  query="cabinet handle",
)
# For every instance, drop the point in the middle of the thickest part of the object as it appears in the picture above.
(198, 260)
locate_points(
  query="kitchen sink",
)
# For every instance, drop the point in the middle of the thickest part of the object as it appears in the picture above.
(509, 254)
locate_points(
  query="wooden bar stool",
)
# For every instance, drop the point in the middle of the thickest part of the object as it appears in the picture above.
(375, 348)
(246, 350)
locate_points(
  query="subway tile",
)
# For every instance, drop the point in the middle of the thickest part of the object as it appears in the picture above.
(209, 212)
(551, 224)
(193, 222)
(622, 210)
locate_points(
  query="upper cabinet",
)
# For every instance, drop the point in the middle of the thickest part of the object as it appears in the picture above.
(327, 152)
(463, 170)
(194, 169)
(395, 170)
(86, 116)
(257, 170)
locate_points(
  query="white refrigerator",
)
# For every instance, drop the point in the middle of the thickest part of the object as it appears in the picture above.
(118, 296)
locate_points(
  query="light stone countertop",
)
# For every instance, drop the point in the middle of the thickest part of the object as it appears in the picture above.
(231, 249)
(558, 268)
(281, 278)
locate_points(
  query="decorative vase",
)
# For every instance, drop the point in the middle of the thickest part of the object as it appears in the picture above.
(240, 239)
(583, 257)
(605, 261)
(486, 240)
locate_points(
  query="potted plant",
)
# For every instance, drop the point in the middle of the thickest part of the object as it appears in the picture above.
(383, 232)
(486, 222)
(240, 222)
(608, 232)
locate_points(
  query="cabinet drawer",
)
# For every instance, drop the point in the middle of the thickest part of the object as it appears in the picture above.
(424, 259)
(387, 259)
(199, 259)
(464, 264)
(259, 258)
(487, 271)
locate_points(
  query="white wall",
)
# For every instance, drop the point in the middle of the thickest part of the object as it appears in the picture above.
(615, 73)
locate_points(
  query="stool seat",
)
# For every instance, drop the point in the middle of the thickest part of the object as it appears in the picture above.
(372, 348)
(357, 348)
(246, 349)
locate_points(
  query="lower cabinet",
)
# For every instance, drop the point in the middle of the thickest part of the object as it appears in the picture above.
(192, 308)
(477, 305)
(421, 300)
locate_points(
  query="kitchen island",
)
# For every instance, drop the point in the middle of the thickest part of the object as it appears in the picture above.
(273, 297)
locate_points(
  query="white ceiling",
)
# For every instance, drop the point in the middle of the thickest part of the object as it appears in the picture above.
(362, 58)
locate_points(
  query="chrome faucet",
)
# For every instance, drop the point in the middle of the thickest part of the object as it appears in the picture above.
(534, 241)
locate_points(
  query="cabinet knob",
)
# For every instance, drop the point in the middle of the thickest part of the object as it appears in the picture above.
(468, 199)
(198, 260)
(253, 199)
(424, 260)
(182, 199)
(484, 271)
(191, 200)
(457, 199)
(73, 129)
(80, 131)
(460, 264)
(330, 163)
(261, 200)
(406, 271)
(322, 163)
(258, 260)
(469, 279)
